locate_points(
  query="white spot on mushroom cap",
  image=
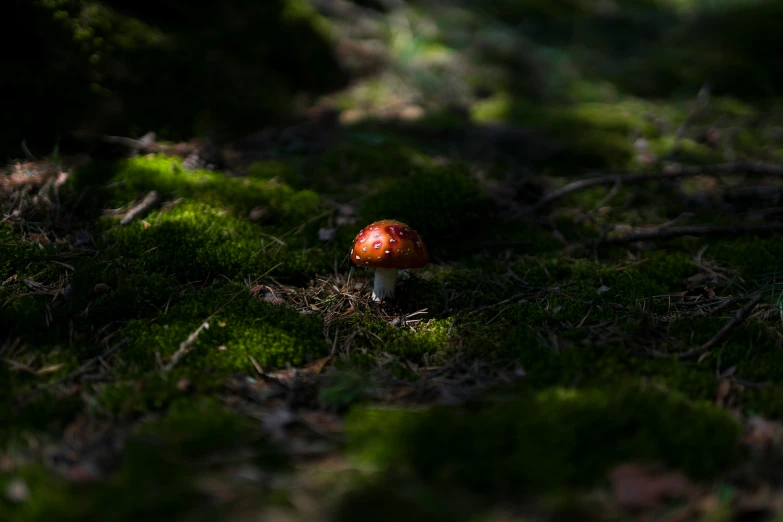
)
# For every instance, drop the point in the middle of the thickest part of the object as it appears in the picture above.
(388, 252)
(364, 249)
(358, 257)
(392, 241)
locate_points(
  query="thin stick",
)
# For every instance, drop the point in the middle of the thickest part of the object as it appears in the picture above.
(719, 337)
(663, 233)
(150, 201)
(758, 168)
(514, 298)
(184, 348)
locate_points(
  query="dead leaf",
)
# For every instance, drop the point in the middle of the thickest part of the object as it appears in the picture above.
(762, 434)
(49, 369)
(316, 367)
(259, 215)
(644, 487)
(724, 388)
(17, 491)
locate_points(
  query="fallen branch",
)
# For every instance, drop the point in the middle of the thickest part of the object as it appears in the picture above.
(667, 232)
(184, 348)
(722, 334)
(140, 145)
(149, 202)
(738, 167)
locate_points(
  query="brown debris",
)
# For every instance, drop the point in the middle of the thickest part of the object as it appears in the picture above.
(645, 487)
(672, 173)
(150, 201)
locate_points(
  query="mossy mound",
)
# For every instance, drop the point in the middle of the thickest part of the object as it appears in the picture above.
(547, 440)
(246, 326)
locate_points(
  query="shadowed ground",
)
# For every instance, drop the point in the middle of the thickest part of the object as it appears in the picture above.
(596, 337)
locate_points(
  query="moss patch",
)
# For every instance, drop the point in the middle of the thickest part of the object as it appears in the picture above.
(548, 439)
(159, 475)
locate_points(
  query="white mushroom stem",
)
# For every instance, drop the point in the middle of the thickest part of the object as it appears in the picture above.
(383, 287)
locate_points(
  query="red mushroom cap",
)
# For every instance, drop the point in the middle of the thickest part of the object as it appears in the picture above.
(389, 244)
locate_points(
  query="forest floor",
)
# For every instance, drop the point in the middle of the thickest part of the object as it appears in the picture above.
(597, 336)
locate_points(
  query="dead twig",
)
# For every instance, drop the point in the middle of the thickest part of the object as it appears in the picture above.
(184, 348)
(149, 202)
(668, 232)
(719, 337)
(737, 167)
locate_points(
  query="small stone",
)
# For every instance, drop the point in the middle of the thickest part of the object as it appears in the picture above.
(102, 288)
(346, 210)
(259, 215)
(82, 238)
(327, 234)
(68, 292)
(350, 116)
(17, 491)
(411, 113)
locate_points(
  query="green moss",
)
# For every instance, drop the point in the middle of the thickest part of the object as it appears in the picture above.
(138, 176)
(594, 134)
(752, 256)
(15, 255)
(400, 498)
(428, 338)
(154, 392)
(690, 151)
(547, 439)
(197, 427)
(195, 240)
(158, 476)
(41, 416)
(246, 326)
(367, 154)
(442, 203)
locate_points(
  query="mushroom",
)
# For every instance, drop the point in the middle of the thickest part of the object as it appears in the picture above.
(388, 245)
